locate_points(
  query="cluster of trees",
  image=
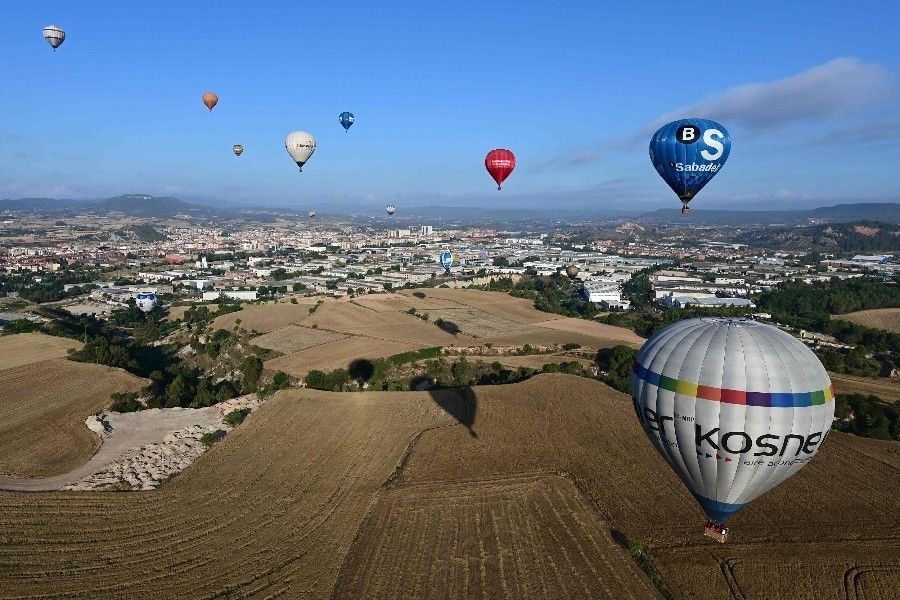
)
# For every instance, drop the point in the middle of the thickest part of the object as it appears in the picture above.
(50, 287)
(648, 321)
(615, 366)
(867, 416)
(553, 294)
(852, 362)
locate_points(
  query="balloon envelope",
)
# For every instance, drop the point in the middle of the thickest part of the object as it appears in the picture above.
(346, 119)
(145, 301)
(54, 35)
(311, 214)
(734, 406)
(446, 259)
(210, 99)
(300, 145)
(391, 209)
(572, 271)
(500, 163)
(688, 153)
(238, 149)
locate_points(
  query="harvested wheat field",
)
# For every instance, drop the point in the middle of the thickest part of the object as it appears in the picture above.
(43, 406)
(520, 310)
(595, 330)
(403, 302)
(264, 317)
(477, 323)
(270, 511)
(294, 338)
(385, 495)
(27, 348)
(353, 318)
(517, 537)
(337, 354)
(545, 336)
(879, 318)
(884, 388)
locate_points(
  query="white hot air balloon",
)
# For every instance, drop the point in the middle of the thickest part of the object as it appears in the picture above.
(300, 145)
(145, 301)
(734, 406)
(54, 35)
(391, 209)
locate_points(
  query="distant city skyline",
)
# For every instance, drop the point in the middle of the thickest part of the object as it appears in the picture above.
(810, 98)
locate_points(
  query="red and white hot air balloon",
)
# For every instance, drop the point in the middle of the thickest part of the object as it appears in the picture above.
(500, 163)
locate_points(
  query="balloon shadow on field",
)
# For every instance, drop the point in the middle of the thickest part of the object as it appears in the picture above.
(460, 403)
(361, 370)
(448, 326)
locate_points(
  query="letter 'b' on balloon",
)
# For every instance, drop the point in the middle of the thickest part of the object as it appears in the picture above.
(688, 153)
(500, 163)
(734, 406)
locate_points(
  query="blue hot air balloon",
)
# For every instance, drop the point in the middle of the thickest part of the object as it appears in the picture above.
(688, 153)
(346, 119)
(446, 259)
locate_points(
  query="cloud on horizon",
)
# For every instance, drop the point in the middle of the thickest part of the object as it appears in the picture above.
(836, 88)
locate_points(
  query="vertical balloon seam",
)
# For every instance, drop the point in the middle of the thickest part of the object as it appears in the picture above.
(665, 451)
(770, 414)
(747, 409)
(707, 332)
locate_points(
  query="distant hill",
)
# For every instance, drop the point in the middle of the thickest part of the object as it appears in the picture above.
(855, 236)
(888, 212)
(138, 205)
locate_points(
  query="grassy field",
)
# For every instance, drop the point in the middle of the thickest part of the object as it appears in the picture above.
(324, 495)
(28, 348)
(43, 406)
(879, 318)
(884, 388)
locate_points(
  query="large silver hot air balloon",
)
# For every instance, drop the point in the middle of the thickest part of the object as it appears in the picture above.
(734, 406)
(300, 145)
(54, 35)
(146, 301)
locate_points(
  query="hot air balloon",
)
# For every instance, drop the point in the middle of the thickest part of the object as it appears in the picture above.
(210, 100)
(55, 36)
(238, 149)
(688, 153)
(391, 209)
(572, 271)
(500, 163)
(734, 406)
(300, 145)
(446, 259)
(311, 214)
(346, 119)
(146, 301)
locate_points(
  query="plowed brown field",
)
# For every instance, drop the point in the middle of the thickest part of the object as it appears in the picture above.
(43, 406)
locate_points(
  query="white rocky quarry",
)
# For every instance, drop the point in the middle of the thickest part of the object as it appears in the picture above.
(146, 467)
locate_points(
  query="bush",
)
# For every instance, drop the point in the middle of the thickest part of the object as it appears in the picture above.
(236, 417)
(124, 402)
(571, 346)
(212, 437)
(618, 363)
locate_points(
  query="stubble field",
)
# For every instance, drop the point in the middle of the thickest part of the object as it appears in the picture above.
(347, 495)
(43, 406)
(26, 348)
(884, 388)
(879, 318)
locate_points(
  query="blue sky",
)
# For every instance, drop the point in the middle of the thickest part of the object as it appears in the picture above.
(809, 94)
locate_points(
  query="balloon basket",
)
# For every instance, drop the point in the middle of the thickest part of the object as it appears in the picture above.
(685, 210)
(716, 532)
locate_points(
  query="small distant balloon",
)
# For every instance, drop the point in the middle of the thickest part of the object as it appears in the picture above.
(391, 209)
(238, 149)
(210, 99)
(300, 145)
(572, 271)
(54, 35)
(500, 163)
(688, 153)
(346, 119)
(311, 214)
(446, 259)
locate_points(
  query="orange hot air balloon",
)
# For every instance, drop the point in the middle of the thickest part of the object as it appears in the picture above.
(210, 100)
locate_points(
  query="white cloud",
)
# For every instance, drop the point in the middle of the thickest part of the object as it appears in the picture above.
(839, 87)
